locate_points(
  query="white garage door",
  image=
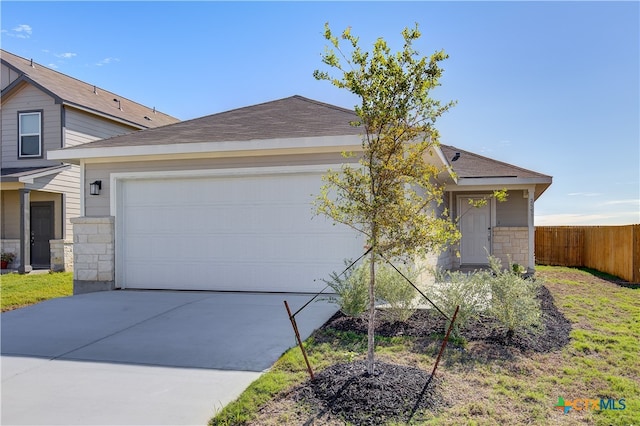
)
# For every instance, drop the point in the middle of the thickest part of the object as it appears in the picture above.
(241, 232)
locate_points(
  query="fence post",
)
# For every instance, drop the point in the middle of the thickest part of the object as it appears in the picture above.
(636, 254)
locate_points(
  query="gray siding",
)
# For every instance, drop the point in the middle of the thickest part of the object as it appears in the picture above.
(512, 212)
(48, 188)
(29, 98)
(81, 127)
(66, 182)
(99, 205)
(7, 76)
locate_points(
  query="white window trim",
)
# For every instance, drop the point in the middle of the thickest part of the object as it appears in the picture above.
(20, 134)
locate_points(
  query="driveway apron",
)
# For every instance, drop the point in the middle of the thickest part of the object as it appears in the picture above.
(142, 357)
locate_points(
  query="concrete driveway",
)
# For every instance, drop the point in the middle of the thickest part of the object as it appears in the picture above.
(142, 357)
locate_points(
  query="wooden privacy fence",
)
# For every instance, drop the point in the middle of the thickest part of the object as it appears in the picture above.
(611, 249)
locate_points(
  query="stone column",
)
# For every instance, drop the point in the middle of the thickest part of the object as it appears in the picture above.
(93, 254)
(25, 231)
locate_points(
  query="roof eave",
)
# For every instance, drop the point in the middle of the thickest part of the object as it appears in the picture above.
(25, 79)
(104, 115)
(540, 183)
(502, 180)
(445, 162)
(29, 177)
(305, 145)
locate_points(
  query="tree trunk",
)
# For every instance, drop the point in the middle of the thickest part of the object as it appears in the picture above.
(372, 315)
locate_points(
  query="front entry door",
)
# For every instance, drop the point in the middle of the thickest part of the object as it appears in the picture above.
(41, 233)
(475, 227)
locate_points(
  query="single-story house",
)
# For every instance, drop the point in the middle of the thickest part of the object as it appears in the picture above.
(223, 202)
(43, 109)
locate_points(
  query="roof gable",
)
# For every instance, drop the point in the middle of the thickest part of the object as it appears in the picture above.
(292, 117)
(78, 94)
(284, 124)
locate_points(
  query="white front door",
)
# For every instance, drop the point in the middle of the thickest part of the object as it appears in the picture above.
(475, 227)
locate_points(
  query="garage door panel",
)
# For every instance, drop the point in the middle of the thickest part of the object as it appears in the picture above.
(255, 233)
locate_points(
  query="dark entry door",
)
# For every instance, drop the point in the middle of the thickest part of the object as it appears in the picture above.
(41, 233)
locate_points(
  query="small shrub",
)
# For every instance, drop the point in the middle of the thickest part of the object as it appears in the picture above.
(352, 289)
(469, 291)
(518, 269)
(514, 302)
(394, 290)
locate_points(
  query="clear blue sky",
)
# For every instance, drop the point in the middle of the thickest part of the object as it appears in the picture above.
(549, 86)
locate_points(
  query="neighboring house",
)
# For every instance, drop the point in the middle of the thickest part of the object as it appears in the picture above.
(224, 202)
(42, 110)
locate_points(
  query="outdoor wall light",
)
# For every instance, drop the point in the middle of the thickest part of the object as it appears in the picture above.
(95, 187)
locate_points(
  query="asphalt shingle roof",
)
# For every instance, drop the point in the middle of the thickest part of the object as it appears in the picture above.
(8, 174)
(290, 117)
(81, 94)
(471, 165)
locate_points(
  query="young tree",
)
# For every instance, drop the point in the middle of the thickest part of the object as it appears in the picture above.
(390, 196)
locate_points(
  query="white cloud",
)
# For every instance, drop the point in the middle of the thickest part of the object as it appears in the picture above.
(66, 55)
(585, 194)
(53, 66)
(107, 61)
(21, 31)
(632, 202)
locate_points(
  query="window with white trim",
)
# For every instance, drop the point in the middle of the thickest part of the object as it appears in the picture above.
(30, 134)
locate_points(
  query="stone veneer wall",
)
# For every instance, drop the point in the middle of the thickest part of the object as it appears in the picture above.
(511, 242)
(61, 255)
(93, 254)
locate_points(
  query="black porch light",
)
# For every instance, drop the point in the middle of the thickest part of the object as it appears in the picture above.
(95, 187)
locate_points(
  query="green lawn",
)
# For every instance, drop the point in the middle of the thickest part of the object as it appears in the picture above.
(488, 387)
(17, 291)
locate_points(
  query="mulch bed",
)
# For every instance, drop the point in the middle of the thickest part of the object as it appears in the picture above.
(396, 392)
(393, 392)
(429, 324)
